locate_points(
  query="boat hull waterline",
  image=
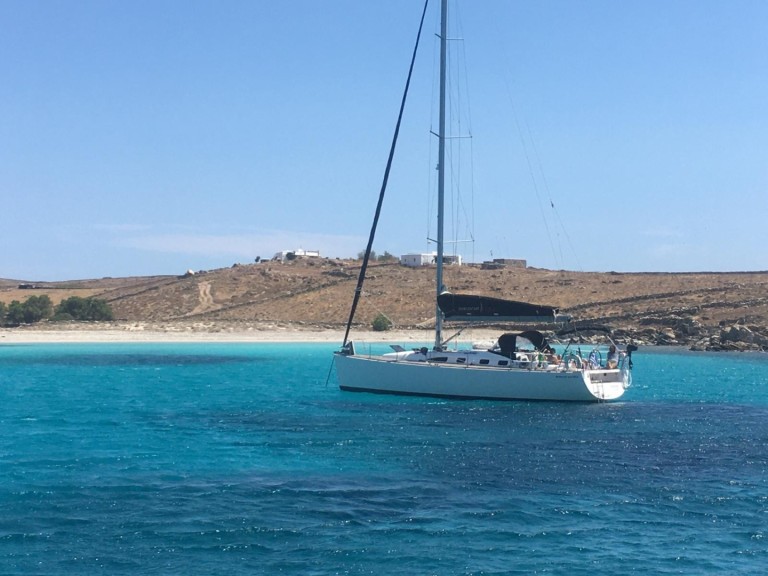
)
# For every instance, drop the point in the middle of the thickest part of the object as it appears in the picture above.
(379, 374)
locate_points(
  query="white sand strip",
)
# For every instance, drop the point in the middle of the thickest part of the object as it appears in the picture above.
(221, 332)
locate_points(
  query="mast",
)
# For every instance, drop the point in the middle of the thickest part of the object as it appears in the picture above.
(441, 171)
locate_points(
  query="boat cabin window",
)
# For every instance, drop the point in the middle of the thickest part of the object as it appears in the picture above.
(439, 359)
(484, 361)
(503, 362)
(460, 360)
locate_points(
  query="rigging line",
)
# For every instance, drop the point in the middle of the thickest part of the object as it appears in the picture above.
(532, 173)
(551, 202)
(528, 161)
(431, 171)
(471, 216)
(454, 146)
(545, 186)
(461, 207)
(472, 195)
(366, 258)
(460, 110)
(377, 310)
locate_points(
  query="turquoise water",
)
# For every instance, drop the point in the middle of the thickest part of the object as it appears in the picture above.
(238, 459)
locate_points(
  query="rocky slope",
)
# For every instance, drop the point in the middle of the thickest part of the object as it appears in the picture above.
(698, 310)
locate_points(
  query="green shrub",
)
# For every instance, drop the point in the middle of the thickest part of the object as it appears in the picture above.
(83, 309)
(62, 317)
(15, 314)
(34, 309)
(381, 323)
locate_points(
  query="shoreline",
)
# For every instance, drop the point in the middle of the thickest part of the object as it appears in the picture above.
(139, 332)
(256, 332)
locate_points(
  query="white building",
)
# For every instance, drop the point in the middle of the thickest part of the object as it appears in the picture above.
(284, 255)
(416, 260)
(427, 259)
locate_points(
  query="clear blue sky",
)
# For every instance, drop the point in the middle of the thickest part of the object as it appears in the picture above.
(150, 137)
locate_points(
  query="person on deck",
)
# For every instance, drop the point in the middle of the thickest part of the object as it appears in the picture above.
(613, 357)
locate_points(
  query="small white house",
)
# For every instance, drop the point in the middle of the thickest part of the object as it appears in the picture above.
(284, 255)
(427, 259)
(416, 260)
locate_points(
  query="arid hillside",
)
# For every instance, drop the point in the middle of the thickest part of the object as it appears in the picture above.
(697, 309)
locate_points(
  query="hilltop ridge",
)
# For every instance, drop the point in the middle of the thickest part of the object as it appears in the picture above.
(703, 310)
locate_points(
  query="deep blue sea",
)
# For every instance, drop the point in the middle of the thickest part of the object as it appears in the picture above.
(239, 459)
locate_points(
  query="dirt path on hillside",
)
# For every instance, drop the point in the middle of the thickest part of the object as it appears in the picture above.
(206, 298)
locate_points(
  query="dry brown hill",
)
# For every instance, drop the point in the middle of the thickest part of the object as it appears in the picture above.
(657, 308)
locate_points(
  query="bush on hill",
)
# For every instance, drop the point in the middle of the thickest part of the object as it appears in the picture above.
(37, 308)
(34, 309)
(381, 323)
(83, 309)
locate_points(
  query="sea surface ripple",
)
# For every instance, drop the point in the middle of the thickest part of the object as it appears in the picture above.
(240, 459)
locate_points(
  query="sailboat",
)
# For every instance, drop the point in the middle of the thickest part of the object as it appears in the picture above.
(520, 366)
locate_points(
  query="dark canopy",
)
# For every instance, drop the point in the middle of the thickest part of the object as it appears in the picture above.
(471, 308)
(508, 342)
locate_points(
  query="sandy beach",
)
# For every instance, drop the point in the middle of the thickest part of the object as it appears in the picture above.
(210, 332)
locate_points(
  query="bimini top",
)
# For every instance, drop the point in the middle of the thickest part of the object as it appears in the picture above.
(471, 308)
(509, 341)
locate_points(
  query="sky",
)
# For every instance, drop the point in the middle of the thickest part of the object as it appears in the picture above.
(153, 137)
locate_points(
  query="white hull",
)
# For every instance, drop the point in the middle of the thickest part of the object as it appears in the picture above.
(384, 375)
